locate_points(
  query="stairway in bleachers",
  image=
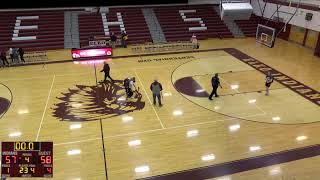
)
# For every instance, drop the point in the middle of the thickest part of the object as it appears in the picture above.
(175, 29)
(232, 26)
(133, 19)
(71, 30)
(49, 35)
(154, 26)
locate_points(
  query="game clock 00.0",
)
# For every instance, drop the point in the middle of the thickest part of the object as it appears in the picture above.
(27, 159)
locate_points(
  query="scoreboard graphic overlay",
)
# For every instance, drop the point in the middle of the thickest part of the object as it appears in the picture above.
(27, 159)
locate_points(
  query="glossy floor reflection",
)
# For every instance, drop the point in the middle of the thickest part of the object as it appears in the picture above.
(188, 132)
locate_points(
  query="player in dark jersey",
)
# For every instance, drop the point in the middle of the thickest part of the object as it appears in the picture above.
(215, 82)
(106, 70)
(269, 81)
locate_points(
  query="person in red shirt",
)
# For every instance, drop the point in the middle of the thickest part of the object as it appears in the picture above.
(194, 41)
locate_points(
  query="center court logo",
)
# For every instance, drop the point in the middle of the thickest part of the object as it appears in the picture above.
(4, 105)
(6, 98)
(90, 103)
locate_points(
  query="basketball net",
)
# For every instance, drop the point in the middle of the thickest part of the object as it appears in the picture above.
(259, 44)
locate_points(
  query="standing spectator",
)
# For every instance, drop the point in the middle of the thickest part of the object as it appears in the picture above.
(156, 89)
(21, 53)
(98, 11)
(106, 70)
(269, 81)
(215, 82)
(91, 38)
(194, 41)
(15, 54)
(113, 39)
(4, 58)
(124, 38)
(11, 54)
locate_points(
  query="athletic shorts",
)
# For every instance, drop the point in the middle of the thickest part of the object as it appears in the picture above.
(268, 84)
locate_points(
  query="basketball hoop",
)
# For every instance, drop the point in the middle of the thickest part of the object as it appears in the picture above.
(265, 35)
(259, 44)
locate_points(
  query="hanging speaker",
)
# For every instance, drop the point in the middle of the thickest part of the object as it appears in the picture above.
(309, 16)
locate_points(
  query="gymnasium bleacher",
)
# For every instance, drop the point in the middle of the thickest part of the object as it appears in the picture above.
(50, 31)
(49, 34)
(133, 19)
(175, 29)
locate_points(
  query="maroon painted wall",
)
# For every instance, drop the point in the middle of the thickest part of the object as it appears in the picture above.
(317, 50)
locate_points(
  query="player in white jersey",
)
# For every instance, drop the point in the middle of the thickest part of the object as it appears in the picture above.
(269, 81)
(130, 86)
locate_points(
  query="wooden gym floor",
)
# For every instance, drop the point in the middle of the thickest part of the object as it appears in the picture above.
(241, 135)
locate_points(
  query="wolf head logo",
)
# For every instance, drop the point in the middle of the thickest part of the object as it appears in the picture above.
(90, 103)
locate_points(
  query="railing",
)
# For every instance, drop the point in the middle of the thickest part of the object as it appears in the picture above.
(35, 56)
(161, 47)
(235, 1)
(30, 57)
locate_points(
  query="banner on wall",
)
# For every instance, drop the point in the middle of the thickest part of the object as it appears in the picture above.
(99, 43)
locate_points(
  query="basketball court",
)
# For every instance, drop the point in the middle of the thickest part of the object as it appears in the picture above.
(97, 132)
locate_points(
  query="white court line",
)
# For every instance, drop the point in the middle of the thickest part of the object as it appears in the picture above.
(74, 142)
(181, 126)
(45, 108)
(154, 130)
(258, 107)
(149, 100)
(58, 159)
(43, 77)
(71, 74)
(37, 77)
